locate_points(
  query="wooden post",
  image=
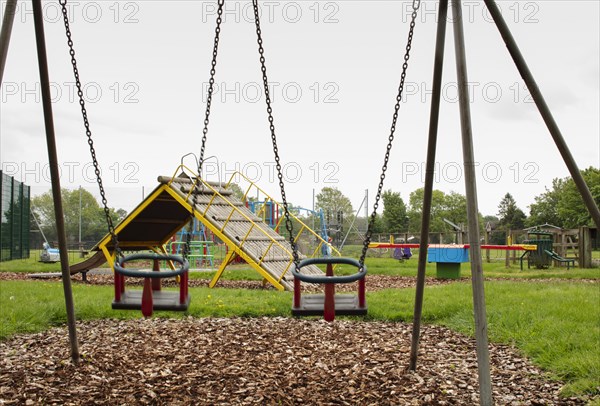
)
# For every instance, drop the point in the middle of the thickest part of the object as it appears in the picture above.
(40, 38)
(5, 32)
(585, 247)
(429, 177)
(469, 163)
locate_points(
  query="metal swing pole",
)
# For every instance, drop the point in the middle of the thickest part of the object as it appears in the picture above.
(53, 161)
(481, 336)
(544, 110)
(5, 32)
(429, 174)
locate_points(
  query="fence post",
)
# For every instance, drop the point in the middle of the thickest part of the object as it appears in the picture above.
(585, 247)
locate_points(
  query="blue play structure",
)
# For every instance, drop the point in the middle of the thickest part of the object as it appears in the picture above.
(271, 214)
(200, 246)
(319, 214)
(268, 209)
(447, 259)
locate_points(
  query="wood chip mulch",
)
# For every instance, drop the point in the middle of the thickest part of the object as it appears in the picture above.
(260, 361)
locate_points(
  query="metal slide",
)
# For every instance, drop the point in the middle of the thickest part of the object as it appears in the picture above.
(91, 263)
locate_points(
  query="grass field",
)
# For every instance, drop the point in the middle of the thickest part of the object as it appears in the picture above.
(33, 265)
(552, 316)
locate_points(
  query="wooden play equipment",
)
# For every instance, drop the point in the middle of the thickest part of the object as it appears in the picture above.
(167, 209)
(566, 247)
(544, 254)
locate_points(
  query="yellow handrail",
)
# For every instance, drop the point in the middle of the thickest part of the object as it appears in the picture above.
(196, 181)
(235, 208)
(303, 227)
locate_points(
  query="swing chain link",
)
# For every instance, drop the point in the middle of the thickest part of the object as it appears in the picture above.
(211, 83)
(288, 221)
(415, 8)
(88, 131)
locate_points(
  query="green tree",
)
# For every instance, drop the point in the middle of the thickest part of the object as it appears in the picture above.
(455, 208)
(562, 205)
(509, 214)
(415, 210)
(378, 225)
(394, 212)
(451, 206)
(571, 208)
(545, 208)
(332, 200)
(237, 191)
(93, 221)
(491, 220)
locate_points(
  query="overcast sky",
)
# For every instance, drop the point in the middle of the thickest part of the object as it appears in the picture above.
(334, 68)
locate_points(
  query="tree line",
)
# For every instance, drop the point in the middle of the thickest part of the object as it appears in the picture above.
(560, 205)
(81, 209)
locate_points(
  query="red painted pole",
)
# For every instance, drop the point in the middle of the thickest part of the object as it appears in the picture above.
(297, 293)
(329, 305)
(361, 293)
(147, 298)
(183, 288)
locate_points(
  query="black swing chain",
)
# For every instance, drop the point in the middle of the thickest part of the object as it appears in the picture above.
(415, 7)
(88, 131)
(288, 222)
(211, 83)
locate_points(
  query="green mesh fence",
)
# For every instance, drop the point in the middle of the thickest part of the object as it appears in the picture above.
(14, 218)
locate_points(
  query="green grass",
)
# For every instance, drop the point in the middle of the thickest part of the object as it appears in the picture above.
(232, 272)
(33, 265)
(556, 324)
